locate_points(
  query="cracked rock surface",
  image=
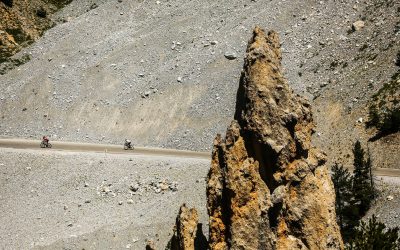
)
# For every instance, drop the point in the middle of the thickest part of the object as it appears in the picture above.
(267, 187)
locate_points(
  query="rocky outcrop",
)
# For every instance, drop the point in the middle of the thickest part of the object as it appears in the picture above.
(185, 229)
(267, 187)
(188, 234)
(22, 22)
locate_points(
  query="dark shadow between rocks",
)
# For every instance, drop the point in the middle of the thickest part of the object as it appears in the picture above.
(9, 3)
(173, 243)
(200, 242)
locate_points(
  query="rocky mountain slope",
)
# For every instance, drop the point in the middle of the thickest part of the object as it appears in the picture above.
(164, 72)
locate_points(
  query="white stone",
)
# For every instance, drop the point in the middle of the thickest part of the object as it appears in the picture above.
(230, 55)
(358, 25)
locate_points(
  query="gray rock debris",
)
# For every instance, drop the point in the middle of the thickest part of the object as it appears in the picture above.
(230, 55)
(134, 188)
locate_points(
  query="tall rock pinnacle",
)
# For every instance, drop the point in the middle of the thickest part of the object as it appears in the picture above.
(267, 187)
(185, 230)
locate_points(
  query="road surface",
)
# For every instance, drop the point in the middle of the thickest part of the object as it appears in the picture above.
(100, 148)
(118, 149)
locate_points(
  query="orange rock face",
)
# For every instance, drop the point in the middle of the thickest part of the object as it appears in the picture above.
(187, 227)
(185, 230)
(22, 22)
(267, 187)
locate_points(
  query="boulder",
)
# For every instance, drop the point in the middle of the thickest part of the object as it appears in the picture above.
(230, 55)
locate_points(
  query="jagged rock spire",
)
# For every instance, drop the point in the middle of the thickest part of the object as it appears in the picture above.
(267, 187)
(185, 230)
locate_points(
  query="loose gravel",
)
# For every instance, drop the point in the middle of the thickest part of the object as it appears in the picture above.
(53, 199)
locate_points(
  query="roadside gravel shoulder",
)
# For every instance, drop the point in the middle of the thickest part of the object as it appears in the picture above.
(387, 205)
(87, 200)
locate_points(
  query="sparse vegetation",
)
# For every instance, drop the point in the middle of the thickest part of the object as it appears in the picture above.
(374, 235)
(11, 63)
(384, 110)
(25, 22)
(347, 215)
(354, 193)
(362, 189)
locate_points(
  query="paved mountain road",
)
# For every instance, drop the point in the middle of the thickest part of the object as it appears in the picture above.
(118, 149)
(100, 148)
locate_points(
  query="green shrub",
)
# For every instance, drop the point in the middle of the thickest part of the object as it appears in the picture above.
(374, 235)
(362, 186)
(384, 110)
(354, 192)
(41, 12)
(347, 213)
